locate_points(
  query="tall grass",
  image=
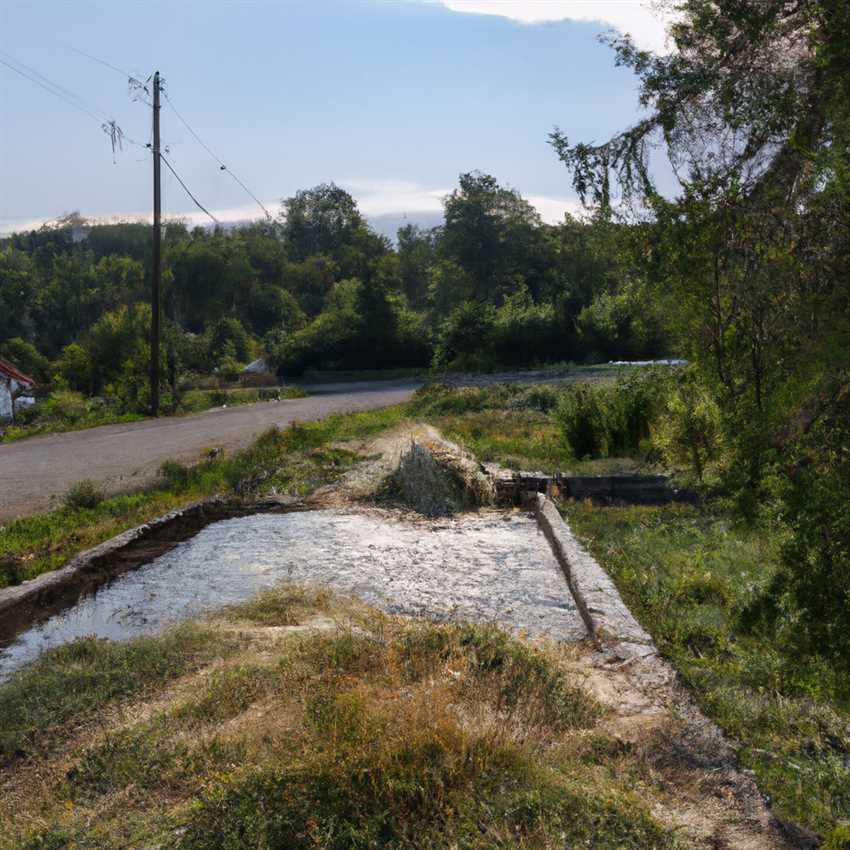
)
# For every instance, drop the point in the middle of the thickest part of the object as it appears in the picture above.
(688, 574)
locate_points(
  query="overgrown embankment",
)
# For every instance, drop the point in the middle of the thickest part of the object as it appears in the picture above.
(306, 721)
(689, 574)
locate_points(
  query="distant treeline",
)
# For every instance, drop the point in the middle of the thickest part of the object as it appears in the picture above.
(318, 288)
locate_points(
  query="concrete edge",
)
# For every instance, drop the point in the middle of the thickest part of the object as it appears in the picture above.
(37, 598)
(606, 616)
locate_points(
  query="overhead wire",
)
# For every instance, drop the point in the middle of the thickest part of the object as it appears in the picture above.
(107, 124)
(222, 165)
(54, 88)
(186, 189)
(137, 85)
(103, 62)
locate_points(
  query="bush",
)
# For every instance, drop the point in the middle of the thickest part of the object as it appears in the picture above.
(465, 340)
(604, 420)
(583, 416)
(84, 494)
(689, 431)
(65, 406)
(175, 474)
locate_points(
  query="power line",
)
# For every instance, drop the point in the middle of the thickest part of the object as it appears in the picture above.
(123, 73)
(198, 204)
(221, 164)
(54, 89)
(107, 124)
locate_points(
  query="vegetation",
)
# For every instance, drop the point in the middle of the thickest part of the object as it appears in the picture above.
(379, 731)
(67, 410)
(294, 461)
(316, 289)
(748, 262)
(690, 574)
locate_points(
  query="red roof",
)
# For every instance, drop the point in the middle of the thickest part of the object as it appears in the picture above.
(9, 371)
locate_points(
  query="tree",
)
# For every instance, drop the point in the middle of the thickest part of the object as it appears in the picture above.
(319, 221)
(750, 262)
(748, 257)
(490, 231)
(416, 254)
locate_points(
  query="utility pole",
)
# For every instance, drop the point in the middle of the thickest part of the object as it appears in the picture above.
(157, 253)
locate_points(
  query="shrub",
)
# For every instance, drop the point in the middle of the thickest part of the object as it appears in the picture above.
(84, 494)
(582, 414)
(175, 474)
(65, 406)
(466, 337)
(604, 420)
(688, 433)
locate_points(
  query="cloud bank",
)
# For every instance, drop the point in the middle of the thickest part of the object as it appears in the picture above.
(646, 25)
(374, 198)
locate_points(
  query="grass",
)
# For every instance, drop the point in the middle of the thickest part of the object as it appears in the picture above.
(378, 732)
(80, 679)
(687, 573)
(513, 425)
(193, 401)
(294, 461)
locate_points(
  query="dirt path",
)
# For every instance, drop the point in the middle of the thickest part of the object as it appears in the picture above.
(34, 473)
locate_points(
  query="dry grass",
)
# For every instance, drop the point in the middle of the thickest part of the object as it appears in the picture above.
(334, 726)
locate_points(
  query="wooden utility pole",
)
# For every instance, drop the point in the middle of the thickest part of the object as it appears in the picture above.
(157, 254)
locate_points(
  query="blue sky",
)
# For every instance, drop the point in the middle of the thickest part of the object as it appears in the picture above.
(390, 98)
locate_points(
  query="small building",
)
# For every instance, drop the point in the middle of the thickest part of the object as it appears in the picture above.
(13, 383)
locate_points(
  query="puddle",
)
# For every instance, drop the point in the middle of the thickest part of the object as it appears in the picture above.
(489, 567)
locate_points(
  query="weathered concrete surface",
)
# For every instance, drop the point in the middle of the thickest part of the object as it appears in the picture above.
(37, 471)
(604, 612)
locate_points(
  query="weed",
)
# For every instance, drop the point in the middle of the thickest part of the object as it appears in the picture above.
(84, 494)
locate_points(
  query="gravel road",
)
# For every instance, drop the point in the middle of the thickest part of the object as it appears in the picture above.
(36, 472)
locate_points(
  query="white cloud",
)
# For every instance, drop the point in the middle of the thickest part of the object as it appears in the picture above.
(381, 197)
(638, 18)
(374, 198)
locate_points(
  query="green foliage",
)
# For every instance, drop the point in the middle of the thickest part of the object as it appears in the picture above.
(611, 420)
(466, 338)
(26, 357)
(689, 574)
(689, 433)
(83, 494)
(75, 369)
(176, 475)
(317, 289)
(807, 607)
(582, 414)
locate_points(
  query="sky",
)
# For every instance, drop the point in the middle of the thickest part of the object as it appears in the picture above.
(391, 99)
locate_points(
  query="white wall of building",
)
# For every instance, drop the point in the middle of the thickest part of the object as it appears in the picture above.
(5, 400)
(8, 387)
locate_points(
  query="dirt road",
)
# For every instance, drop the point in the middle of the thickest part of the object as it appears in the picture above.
(35, 473)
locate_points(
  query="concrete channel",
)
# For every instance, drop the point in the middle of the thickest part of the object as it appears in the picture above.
(521, 569)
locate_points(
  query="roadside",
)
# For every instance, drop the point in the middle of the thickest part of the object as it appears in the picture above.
(71, 412)
(122, 458)
(687, 572)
